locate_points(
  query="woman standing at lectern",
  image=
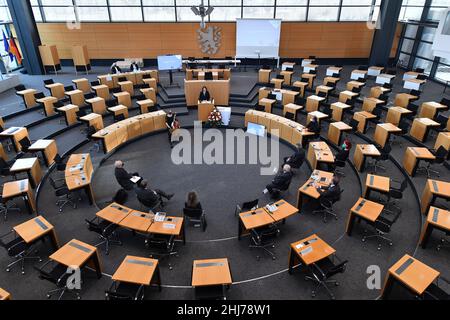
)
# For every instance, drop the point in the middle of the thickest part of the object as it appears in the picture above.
(204, 95)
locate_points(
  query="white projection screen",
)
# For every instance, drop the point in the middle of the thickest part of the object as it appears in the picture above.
(441, 45)
(258, 38)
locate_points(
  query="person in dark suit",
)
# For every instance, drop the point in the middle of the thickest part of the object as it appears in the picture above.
(123, 177)
(134, 67)
(331, 192)
(150, 197)
(297, 159)
(280, 181)
(204, 95)
(344, 151)
(192, 201)
(115, 69)
(313, 125)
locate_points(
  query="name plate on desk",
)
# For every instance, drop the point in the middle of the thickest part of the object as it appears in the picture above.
(169, 226)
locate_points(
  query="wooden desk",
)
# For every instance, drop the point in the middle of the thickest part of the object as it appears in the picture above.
(376, 183)
(339, 110)
(420, 128)
(114, 213)
(48, 103)
(149, 93)
(412, 157)
(94, 120)
(411, 273)
(70, 113)
(414, 84)
(98, 105)
(36, 229)
(301, 86)
(370, 104)
(4, 295)
(102, 91)
(333, 70)
(292, 108)
(201, 75)
(15, 134)
(395, 114)
(330, 80)
(443, 139)
(383, 133)
(403, 99)
(319, 115)
(145, 105)
(219, 90)
(287, 96)
(212, 272)
(354, 84)
(434, 189)
(308, 190)
(319, 152)
(313, 103)
(56, 90)
(123, 98)
(362, 152)
(31, 167)
(171, 226)
(82, 84)
(411, 75)
(375, 71)
(376, 92)
(204, 110)
(363, 117)
(118, 110)
(437, 219)
(431, 109)
(335, 132)
(48, 148)
(323, 88)
(127, 86)
(310, 67)
(264, 76)
(267, 104)
(21, 189)
(364, 209)
(311, 77)
(284, 211)
(357, 74)
(138, 270)
(253, 219)
(309, 251)
(345, 95)
(137, 221)
(28, 97)
(78, 174)
(277, 82)
(287, 77)
(78, 254)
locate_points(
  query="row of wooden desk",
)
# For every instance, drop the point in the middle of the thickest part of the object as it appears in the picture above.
(199, 74)
(78, 174)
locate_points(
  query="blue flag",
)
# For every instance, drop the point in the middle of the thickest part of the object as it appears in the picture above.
(6, 44)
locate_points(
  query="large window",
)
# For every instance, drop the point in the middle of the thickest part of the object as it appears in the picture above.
(420, 18)
(179, 10)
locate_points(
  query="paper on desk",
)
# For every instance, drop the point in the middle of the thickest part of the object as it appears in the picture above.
(169, 226)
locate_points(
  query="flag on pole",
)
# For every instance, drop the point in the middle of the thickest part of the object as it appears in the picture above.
(14, 50)
(6, 44)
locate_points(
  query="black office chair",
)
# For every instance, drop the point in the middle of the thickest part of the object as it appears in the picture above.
(276, 195)
(378, 113)
(91, 130)
(211, 293)
(385, 98)
(445, 102)
(20, 87)
(122, 291)
(260, 108)
(442, 120)
(404, 127)
(388, 86)
(89, 95)
(60, 164)
(414, 108)
(382, 226)
(95, 83)
(356, 90)
(17, 249)
(39, 95)
(290, 116)
(49, 82)
(197, 216)
(161, 246)
(445, 242)
(152, 206)
(419, 70)
(440, 156)
(383, 157)
(6, 206)
(209, 76)
(69, 88)
(246, 206)
(63, 195)
(327, 207)
(391, 72)
(363, 68)
(81, 113)
(395, 194)
(262, 238)
(339, 164)
(436, 292)
(422, 77)
(25, 144)
(57, 274)
(279, 76)
(122, 79)
(323, 271)
(5, 167)
(119, 117)
(415, 93)
(354, 124)
(107, 232)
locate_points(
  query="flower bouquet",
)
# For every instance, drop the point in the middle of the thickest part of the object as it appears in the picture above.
(215, 118)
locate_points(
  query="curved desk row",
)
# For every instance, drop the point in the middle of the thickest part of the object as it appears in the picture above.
(286, 129)
(120, 132)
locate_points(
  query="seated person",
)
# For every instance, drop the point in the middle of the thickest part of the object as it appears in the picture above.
(314, 126)
(150, 197)
(123, 177)
(192, 201)
(344, 151)
(204, 95)
(331, 192)
(115, 69)
(281, 180)
(134, 67)
(297, 159)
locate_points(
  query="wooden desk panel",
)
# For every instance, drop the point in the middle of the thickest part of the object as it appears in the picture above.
(136, 270)
(362, 151)
(48, 148)
(403, 99)
(437, 219)
(35, 229)
(364, 209)
(377, 183)
(383, 132)
(264, 76)
(318, 179)
(335, 132)
(310, 250)
(15, 134)
(211, 272)
(4, 295)
(31, 167)
(70, 113)
(430, 109)
(82, 84)
(48, 103)
(420, 127)
(20, 188)
(432, 190)
(319, 152)
(123, 98)
(313, 103)
(443, 139)
(28, 97)
(57, 90)
(363, 117)
(102, 91)
(338, 110)
(219, 90)
(98, 105)
(395, 114)
(412, 156)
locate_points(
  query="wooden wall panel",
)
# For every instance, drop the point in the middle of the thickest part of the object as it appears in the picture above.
(147, 40)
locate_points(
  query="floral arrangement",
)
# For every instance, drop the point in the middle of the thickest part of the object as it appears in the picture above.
(215, 118)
